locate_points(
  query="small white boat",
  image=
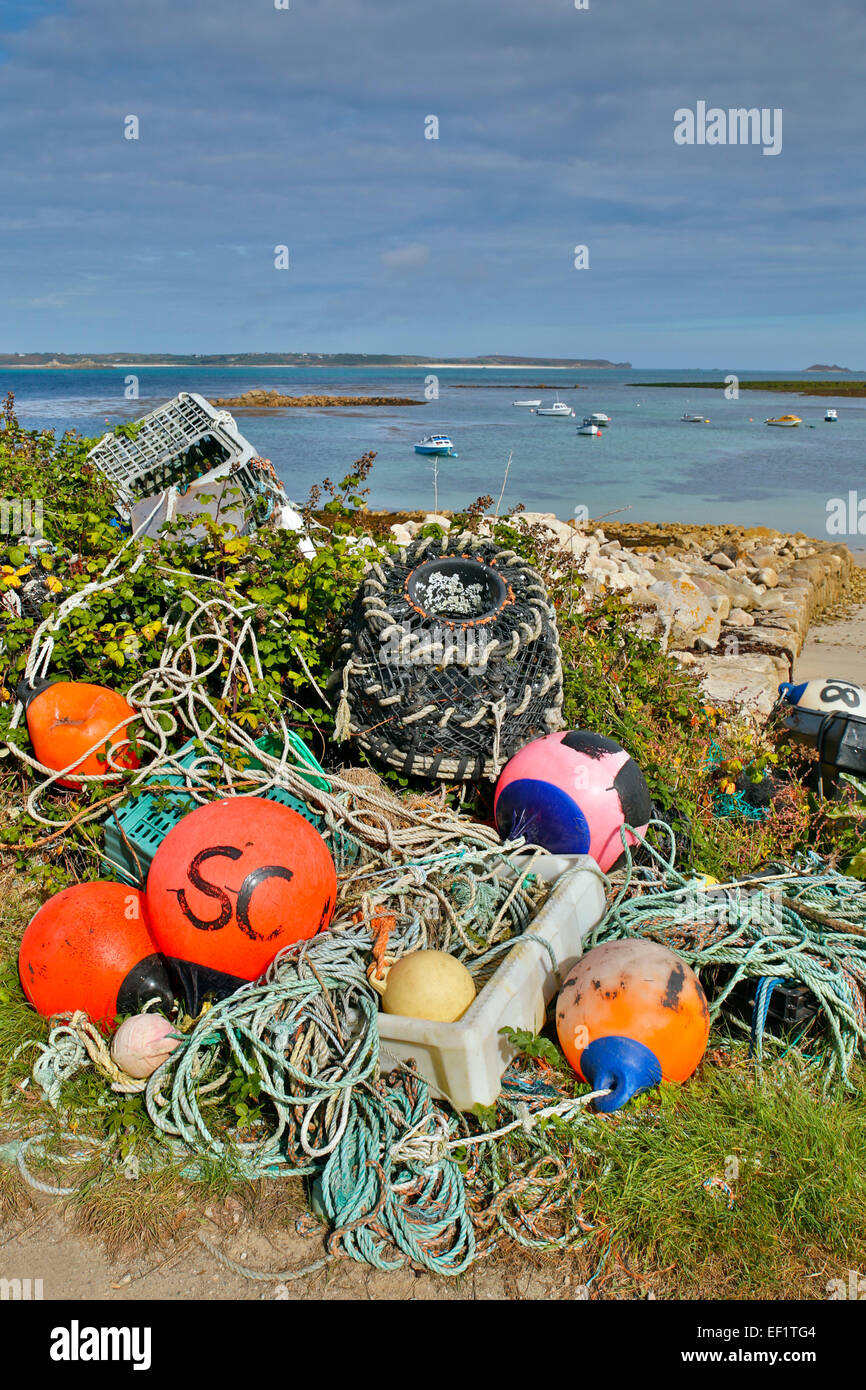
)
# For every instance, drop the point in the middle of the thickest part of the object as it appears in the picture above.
(787, 421)
(599, 418)
(558, 410)
(831, 416)
(692, 419)
(589, 426)
(533, 405)
(436, 444)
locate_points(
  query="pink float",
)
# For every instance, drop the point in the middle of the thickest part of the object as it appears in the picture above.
(572, 793)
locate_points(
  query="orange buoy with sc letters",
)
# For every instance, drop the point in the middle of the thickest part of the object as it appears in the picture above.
(232, 884)
(89, 948)
(631, 1014)
(66, 719)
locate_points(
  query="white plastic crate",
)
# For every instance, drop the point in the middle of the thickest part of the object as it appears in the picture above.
(181, 450)
(464, 1061)
(144, 466)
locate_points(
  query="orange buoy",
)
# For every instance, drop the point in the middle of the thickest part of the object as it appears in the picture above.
(630, 1014)
(232, 884)
(89, 948)
(68, 719)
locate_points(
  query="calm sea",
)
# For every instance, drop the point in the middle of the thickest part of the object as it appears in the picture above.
(647, 466)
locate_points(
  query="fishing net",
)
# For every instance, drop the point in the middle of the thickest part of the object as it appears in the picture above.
(450, 660)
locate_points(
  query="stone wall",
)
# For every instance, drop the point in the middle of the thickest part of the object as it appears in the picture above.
(732, 604)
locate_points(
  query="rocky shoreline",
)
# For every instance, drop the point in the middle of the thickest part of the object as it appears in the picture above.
(273, 400)
(733, 604)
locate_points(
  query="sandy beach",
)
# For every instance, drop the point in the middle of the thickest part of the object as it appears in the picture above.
(836, 647)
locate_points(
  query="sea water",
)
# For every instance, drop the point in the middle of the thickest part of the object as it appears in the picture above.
(647, 465)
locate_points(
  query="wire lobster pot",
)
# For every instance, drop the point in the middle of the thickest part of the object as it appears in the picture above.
(450, 660)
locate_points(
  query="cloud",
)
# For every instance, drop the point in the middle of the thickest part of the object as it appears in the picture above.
(406, 258)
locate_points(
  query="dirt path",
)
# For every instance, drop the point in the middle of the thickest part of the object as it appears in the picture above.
(74, 1268)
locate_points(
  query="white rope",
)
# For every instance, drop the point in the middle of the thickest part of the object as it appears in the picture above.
(417, 1147)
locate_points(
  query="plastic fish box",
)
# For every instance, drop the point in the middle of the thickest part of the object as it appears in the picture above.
(464, 1061)
(133, 834)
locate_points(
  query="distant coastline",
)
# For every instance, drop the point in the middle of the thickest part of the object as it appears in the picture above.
(45, 361)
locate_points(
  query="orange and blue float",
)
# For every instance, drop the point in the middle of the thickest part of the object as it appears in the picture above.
(572, 793)
(88, 947)
(232, 884)
(68, 719)
(631, 1014)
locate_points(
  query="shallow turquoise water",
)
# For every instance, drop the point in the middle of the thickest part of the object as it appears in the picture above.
(733, 469)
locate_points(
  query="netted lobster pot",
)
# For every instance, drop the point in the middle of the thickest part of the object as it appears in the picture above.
(450, 660)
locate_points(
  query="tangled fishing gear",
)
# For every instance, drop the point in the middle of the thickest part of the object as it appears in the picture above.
(805, 924)
(450, 660)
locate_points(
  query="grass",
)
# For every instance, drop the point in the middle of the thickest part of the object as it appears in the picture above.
(16, 1197)
(796, 1165)
(132, 1217)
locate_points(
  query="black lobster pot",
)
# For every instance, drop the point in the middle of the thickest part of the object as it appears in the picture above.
(450, 660)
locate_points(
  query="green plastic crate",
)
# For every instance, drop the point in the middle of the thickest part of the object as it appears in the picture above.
(139, 825)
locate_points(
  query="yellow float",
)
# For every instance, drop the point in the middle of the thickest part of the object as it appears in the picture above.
(426, 984)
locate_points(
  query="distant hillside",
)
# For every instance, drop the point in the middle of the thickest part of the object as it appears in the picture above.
(283, 359)
(822, 367)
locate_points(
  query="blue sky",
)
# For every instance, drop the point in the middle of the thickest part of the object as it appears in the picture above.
(305, 127)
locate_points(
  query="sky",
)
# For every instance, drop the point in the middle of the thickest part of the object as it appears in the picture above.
(304, 127)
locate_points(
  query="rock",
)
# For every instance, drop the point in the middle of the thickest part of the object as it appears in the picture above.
(748, 681)
(688, 614)
(768, 577)
(762, 555)
(738, 617)
(721, 560)
(779, 600)
(774, 640)
(260, 399)
(402, 535)
(434, 519)
(722, 605)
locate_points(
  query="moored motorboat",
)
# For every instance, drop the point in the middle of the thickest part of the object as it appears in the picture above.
(533, 405)
(831, 416)
(559, 410)
(589, 427)
(693, 419)
(788, 421)
(436, 444)
(598, 417)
